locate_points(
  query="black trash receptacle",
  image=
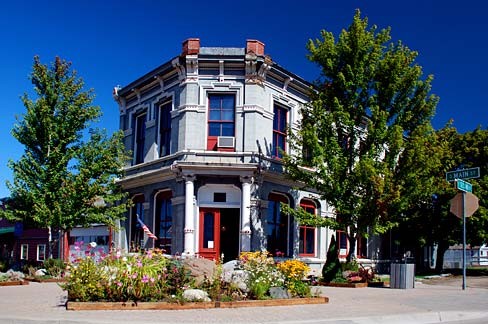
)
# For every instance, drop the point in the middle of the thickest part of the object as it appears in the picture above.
(402, 275)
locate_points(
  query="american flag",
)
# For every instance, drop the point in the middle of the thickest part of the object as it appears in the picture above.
(146, 229)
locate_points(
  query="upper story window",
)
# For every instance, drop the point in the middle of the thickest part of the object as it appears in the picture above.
(165, 129)
(140, 138)
(221, 118)
(279, 131)
(306, 245)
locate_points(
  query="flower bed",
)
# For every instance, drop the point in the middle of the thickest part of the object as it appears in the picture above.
(345, 284)
(153, 279)
(81, 306)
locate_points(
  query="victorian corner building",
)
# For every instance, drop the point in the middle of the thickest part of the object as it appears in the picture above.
(207, 130)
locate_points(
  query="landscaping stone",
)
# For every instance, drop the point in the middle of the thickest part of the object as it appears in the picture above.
(200, 269)
(196, 295)
(40, 272)
(279, 293)
(238, 277)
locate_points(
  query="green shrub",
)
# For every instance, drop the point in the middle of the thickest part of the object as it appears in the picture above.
(54, 267)
(332, 267)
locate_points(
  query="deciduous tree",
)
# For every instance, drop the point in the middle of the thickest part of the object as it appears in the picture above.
(371, 103)
(62, 181)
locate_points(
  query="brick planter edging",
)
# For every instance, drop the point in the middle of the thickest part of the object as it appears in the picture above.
(80, 306)
(14, 283)
(345, 285)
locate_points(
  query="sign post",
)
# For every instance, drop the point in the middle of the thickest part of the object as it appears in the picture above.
(468, 202)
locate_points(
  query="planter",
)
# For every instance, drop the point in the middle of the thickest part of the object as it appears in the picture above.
(14, 283)
(345, 284)
(80, 306)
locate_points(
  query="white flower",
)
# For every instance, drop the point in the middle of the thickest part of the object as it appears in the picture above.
(93, 245)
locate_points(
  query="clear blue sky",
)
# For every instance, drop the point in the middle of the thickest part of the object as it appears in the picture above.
(114, 42)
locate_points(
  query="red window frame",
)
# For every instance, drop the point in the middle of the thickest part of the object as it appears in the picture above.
(304, 230)
(216, 106)
(279, 131)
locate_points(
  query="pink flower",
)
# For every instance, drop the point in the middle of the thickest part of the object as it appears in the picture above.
(134, 275)
(139, 263)
(119, 284)
(145, 279)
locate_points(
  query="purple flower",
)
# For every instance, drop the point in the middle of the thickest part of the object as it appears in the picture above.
(139, 263)
(145, 279)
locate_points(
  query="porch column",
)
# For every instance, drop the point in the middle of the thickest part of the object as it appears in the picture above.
(246, 214)
(189, 245)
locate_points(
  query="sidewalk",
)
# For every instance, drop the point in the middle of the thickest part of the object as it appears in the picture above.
(44, 303)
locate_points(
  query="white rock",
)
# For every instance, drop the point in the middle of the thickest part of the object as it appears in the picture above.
(196, 295)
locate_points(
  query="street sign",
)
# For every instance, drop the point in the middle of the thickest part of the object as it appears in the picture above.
(463, 174)
(463, 185)
(471, 204)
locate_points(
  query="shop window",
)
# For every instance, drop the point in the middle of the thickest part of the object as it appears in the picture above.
(306, 245)
(136, 231)
(164, 221)
(277, 226)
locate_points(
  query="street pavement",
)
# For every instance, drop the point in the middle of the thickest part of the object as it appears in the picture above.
(43, 303)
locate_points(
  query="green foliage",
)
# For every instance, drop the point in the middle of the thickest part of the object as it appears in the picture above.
(262, 273)
(371, 103)
(59, 176)
(332, 267)
(429, 221)
(54, 267)
(295, 271)
(147, 277)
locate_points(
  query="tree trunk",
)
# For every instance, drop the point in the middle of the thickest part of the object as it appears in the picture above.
(441, 249)
(50, 244)
(352, 247)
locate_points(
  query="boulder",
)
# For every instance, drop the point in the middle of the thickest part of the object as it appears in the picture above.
(279, 293)
(201, 269)
(40, 272)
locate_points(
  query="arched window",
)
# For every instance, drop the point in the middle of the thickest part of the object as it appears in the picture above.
(306, 245)
(136, 231)
(164, 221)
(277, 226)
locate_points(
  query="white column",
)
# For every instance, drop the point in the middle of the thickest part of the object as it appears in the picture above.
(189, 246)
(246, 214)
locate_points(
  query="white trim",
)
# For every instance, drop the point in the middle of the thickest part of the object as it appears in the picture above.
(26, 256)
(44, 253)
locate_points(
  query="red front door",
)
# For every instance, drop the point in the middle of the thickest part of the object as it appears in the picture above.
(209, 233)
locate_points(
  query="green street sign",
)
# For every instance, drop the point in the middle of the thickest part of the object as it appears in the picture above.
(463, 174)
(464, 186)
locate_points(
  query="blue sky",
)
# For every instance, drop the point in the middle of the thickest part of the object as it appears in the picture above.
(114, 42)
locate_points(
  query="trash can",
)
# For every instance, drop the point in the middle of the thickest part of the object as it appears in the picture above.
(402, 275)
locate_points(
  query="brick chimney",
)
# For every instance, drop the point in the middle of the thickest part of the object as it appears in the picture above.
(191, 46)
(255, 46)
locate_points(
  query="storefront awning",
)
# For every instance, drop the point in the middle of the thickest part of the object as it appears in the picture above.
(4, 230)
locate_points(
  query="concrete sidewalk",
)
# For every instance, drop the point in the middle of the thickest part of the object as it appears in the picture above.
(44, 303)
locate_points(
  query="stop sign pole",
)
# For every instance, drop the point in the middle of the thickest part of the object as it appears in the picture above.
(466, 189)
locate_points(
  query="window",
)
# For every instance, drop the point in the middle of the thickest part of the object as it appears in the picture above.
(24, 251)
(165, 129)
(41, 252)
(140, 138)
(221, 115)
(277, 226)
(306, 245)
(164, 221)
(136, 231)
(279, 131)
(342, 243)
